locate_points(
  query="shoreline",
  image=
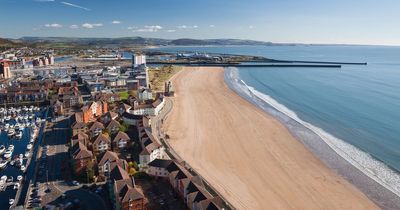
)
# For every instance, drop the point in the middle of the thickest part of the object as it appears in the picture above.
(377, 190)
(236, 161)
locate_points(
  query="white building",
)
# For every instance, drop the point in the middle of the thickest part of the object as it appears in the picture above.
(145, 94)
(148, 109)
(9, 55)
(151, 149)
(149, 153)
(5, 70)
(50, 59)
(138, 60)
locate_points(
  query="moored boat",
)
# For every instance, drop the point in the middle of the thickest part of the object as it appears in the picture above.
(11, 132)
(19, 134)
(11, 147)
(17, 126)
(3, 163)
(8, 154)
(2, 149)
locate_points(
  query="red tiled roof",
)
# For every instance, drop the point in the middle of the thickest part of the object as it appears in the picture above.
(121, 135)
(108, 156)
(113, 123)
(119, 173)
(102, 138)
(97, 125)
(79, 151)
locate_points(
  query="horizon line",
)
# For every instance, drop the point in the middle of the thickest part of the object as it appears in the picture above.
(282, 43)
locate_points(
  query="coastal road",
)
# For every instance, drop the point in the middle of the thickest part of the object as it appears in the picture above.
(157, 128)
(157, 121)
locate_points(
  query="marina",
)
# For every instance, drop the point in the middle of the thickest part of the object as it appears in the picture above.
(19, 129)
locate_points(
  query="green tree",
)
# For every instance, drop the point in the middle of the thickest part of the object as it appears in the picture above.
(124, 127)
(132, 171)
(133, 165)
(89, 172)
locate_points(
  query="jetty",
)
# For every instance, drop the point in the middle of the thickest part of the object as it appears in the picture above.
(7, 184)
(219, 64)
(267, 60)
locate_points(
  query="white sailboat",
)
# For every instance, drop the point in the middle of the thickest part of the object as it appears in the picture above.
(3, 163)
(2, 149)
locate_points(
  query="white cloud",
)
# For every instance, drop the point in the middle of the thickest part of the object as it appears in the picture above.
(74, 5)
(251, 27)
(171, 30)
(211, 26)
(187, 27)
(145, 30)
(132, 27)
(116, 22)
(74, 26)
(91, 25)
(153, 28)
(53, 25)
(157, 27)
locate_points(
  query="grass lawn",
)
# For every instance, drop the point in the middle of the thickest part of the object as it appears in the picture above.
(159, 76)
(124, 95)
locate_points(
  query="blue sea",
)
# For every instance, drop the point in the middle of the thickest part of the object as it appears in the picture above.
(354, 109)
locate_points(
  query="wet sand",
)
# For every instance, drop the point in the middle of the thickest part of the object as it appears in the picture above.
(248, 156)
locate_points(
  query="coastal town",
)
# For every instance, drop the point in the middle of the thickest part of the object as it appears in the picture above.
(90, 135)
(199, 105)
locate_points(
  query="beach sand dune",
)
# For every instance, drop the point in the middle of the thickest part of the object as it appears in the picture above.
(248, 156)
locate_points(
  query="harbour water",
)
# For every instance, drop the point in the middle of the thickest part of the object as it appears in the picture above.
(13, 167)
(355, 109)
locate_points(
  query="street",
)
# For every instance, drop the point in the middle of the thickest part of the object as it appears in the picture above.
(54, 176)
(158, 133)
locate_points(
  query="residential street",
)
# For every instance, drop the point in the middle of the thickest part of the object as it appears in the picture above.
(53, 171)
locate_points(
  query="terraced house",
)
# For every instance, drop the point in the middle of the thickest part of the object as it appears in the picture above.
(123, 192)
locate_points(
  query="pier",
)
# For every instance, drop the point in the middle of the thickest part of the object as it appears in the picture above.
(266, 60)
(7, 184)
(31, 165)
(210, 64)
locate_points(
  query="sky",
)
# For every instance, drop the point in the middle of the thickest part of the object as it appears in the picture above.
(282, 21)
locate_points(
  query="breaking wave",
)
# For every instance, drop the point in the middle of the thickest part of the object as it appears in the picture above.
(363, 161)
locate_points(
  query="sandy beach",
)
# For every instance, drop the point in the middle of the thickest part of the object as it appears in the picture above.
(248, 156)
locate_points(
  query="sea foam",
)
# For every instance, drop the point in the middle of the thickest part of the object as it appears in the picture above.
(364, 162)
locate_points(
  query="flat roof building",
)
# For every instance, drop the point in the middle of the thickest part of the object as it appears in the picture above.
(138, 60)
(5, 71)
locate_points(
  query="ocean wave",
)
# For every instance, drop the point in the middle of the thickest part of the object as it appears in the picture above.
(364, 162)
